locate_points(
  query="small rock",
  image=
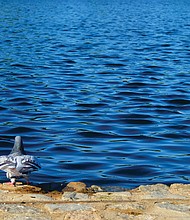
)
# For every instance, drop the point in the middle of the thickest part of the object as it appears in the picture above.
(146, 217)
(3, 191)
(157, 191)
(15, 208)
(18, 197)
(52, 208)
(180, 189)
(129, 209)
(152, 188)
(86, 215)
(102, 196)
(110, 196)
(113, 215)
(174, 207)
(27, 217)
(81, 196)
(75, 186)
(132, 206)
(75, 196)
(95, 188)
(68, 196)
(36, 197)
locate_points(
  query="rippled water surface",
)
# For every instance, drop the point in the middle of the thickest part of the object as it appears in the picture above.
(98, 89)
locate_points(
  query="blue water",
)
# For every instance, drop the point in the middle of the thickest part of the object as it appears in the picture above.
(98, 89)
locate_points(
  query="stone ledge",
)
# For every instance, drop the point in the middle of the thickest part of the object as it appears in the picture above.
(149, 202)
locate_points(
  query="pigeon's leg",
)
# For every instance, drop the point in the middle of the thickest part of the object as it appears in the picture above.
(13, 181)
(27, 180)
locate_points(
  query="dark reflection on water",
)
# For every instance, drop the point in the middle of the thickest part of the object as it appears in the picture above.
(99, 90)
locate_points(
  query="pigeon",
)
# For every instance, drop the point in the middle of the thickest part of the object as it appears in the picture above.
(18, 164)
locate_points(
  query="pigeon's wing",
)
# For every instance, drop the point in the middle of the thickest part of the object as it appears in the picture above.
(7, 163)
(27, 164)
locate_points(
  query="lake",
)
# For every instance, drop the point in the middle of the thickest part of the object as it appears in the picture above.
(99, 90)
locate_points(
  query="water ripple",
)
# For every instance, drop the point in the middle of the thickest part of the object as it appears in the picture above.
(99, 91)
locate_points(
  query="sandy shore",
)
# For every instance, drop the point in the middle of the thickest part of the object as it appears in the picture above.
(77, 202)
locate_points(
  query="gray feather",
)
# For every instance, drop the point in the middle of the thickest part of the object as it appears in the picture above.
(17, 164)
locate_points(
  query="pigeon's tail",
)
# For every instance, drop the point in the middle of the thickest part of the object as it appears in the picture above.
(18, 147)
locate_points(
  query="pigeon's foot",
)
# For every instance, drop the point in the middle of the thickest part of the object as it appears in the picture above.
(10, 184)
(27, 180)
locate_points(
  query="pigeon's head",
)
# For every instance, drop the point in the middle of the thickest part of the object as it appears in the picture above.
(18, 147)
